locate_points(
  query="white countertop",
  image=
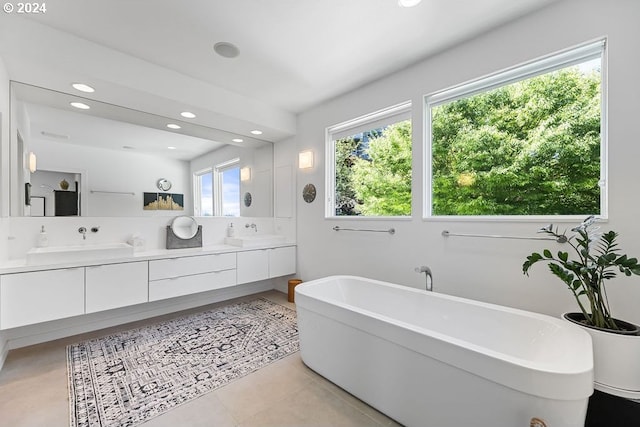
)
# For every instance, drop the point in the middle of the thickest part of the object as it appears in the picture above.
(21, 265)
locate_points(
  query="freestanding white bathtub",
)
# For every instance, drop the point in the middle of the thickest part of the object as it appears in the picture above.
(432, 360)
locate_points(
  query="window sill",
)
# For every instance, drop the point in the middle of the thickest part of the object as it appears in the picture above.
(555, 219)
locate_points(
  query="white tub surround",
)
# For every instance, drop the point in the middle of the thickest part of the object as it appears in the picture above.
(430, 359)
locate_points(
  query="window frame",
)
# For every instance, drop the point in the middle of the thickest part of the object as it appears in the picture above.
(197, 190)
(218, 192)
(523, 71)
(393, 114)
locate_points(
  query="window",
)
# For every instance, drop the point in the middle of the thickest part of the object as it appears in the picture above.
(527, 141)
(217, 190)
(203, 189)
(227, 185)
(369, 165)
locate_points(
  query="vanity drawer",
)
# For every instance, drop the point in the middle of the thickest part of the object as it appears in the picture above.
(169, 288)
(182, 266)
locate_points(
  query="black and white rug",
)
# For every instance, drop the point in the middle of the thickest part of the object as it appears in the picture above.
(127, 378)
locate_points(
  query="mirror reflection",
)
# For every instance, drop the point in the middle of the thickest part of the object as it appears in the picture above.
(184, 227)
(113, 161)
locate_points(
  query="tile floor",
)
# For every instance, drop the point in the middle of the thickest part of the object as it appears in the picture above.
(33, 392)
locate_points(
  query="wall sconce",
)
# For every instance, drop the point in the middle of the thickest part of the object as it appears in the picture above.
(305, 159)
(32, 162)
(245, 174)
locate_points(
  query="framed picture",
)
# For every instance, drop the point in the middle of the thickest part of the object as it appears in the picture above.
(150, 201)
(178, 202)
(163, 201)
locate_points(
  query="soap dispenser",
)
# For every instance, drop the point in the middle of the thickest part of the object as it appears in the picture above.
(43, 239)
(231, 231)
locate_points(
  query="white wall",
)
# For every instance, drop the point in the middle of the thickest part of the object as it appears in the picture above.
(138, 175)
(4, 182)
(99, 170)
(285, 155)
(22, 232)
(482, 269)
(120, 171)
(4, 156)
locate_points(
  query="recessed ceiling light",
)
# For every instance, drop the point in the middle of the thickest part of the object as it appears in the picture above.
(408, 3)
(256, 132)
(226, 49)
(83, 87)
(188, 115)
(173, 126)
(237, 139)
(80, 105)
(171, 148)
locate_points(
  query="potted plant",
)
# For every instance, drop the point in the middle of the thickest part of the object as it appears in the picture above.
(596, 260)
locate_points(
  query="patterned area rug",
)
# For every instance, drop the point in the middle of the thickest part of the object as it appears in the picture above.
(130, 377)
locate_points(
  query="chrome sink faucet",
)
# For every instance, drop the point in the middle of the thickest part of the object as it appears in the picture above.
(83, 231)
(252, 225)
(428, 276)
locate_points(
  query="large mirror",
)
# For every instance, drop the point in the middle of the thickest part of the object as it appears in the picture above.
(114, 161)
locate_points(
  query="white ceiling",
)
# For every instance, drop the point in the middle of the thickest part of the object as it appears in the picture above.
(53, 124)
(107, 126)
(157, 56)
(293, 53)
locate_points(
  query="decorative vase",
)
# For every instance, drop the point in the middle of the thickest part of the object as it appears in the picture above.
(616, 357)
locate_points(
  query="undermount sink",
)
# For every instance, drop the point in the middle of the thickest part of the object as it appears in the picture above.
(53, 254)
(254, 240)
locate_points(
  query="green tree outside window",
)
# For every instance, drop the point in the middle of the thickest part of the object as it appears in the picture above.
(529, 148)
(373, 172)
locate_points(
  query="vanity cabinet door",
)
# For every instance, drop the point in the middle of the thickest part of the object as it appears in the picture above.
(40, 296)
(116, 285)
(253, 265)
(282, 261)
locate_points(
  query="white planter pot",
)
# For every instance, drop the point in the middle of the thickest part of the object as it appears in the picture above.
(616, 362)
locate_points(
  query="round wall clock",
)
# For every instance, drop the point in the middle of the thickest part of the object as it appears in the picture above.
(247, 199)
(164, 184)
(309, 193)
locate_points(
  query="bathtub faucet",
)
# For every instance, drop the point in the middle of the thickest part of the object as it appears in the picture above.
(428, 276)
